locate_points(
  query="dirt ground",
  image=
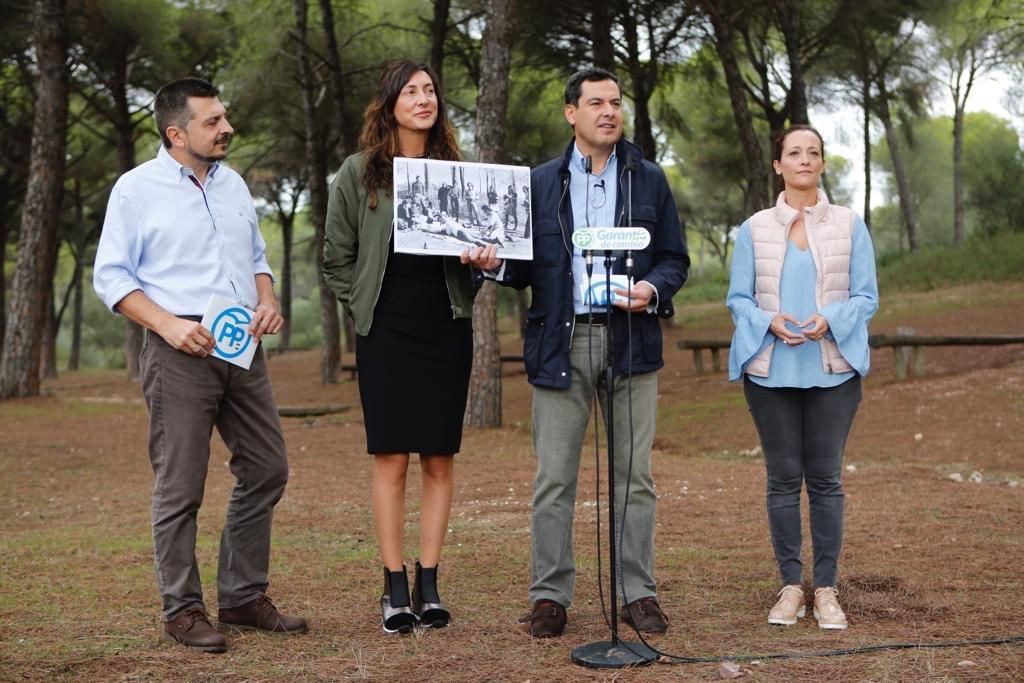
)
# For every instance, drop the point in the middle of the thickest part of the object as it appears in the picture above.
(926, 558)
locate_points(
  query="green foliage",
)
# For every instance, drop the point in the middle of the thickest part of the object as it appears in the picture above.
(993, 175)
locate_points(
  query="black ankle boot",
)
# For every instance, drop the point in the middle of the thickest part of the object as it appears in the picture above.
(426, 603)
(396, 614)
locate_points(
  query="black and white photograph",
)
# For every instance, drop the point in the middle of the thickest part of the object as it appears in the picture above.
(446, 207)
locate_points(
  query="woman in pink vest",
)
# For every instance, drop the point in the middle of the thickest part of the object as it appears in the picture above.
(801, 294)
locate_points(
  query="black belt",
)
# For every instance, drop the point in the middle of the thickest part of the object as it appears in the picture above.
(594, 319)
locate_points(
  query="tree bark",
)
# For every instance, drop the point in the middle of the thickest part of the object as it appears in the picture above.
(958, 175)
(866, 104)
(125, 135)
(601, 35)
(438, 35)
(346, 134)
(640, 77)
(287, 238)
(316, 161)
(756, 195)
(48, 355)
(32, 284)
(483, 408)
(789, 21)
(902, 182)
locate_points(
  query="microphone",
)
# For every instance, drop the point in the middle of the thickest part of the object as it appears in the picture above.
(588, 255)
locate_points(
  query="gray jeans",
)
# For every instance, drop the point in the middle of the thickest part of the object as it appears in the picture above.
(187, 397)
(803, 434)
(560, 419)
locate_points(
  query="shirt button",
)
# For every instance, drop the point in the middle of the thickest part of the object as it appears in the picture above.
(563, 374)
(567, 324)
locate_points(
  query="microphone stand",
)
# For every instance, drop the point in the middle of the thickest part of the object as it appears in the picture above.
(615, 653)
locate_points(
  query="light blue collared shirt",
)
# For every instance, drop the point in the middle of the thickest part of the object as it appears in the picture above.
(179, 243)
(800, 366)
(600, 210)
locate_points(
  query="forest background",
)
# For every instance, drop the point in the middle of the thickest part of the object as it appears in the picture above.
(708, 85)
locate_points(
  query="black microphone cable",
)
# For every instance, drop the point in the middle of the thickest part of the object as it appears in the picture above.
(669, 658)
(588, 255)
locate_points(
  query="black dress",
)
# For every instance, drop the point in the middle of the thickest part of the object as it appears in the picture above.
(414, 364)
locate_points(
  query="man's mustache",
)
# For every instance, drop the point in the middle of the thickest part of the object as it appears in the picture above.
(223, 139)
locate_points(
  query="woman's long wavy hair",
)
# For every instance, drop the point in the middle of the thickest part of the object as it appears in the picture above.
(379, 138)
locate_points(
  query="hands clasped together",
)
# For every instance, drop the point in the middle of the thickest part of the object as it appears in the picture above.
(817, 324)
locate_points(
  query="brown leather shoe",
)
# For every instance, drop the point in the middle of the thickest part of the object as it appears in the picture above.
(261, 615)
(645, 615)
(192, 628)
(546, 620)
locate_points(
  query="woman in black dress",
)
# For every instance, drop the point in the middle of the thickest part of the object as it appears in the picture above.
(414, 342)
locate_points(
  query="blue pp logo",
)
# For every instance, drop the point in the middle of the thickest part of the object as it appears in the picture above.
(598, 294)
(230, 332)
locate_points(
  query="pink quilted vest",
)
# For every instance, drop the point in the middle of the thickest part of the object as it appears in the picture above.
(830, 239)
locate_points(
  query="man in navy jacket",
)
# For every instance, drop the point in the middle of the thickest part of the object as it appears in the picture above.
(601, 180)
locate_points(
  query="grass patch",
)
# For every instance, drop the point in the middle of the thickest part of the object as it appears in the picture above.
(996, 259)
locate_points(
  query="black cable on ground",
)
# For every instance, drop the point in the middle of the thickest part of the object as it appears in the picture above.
(866, 649)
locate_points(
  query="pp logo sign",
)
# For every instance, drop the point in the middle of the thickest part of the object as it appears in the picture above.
(231, 333)
(582, 238)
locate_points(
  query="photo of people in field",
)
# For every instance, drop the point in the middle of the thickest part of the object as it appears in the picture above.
(446, 207)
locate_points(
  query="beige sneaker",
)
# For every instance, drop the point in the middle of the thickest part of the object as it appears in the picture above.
(789, 607)
(827, 610)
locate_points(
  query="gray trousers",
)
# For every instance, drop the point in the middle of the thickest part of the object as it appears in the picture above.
(187, 398)
(803, 433)
(560, 419)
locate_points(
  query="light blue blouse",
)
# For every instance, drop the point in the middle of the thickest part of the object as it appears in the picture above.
(800, 366)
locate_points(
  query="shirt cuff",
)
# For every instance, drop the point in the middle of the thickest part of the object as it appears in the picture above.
(652, 305)
(496, 275)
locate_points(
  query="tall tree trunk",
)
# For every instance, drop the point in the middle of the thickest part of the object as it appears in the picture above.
(958, 175)
(483, 408)
(316, 160)
(4, 228)
(32, 284)
(438, 35)
(346, 134)
(287, 238)
(866, 104)
(601, 35)
(48, 355)
(125, 131)
(789, 21)
(756, 195)
(75, 352)
(639, 77)
(902, 182)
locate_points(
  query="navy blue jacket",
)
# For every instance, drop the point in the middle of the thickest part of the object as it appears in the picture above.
(664, 263)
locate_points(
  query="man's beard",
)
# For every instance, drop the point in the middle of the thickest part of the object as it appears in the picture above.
(212, 158)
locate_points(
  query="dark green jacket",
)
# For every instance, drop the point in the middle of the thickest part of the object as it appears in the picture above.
(356, 249)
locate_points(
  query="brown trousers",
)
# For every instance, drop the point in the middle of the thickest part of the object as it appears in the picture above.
(187, 398)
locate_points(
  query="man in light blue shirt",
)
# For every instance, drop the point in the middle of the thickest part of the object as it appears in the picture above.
(178, 229)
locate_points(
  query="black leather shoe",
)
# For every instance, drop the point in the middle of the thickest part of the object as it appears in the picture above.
(646, 616)
(546, 619)
(396, 613)
(426, 603)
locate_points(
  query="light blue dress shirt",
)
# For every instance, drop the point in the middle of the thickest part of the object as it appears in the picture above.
(800, 366)
(179, 243)
(596, 205)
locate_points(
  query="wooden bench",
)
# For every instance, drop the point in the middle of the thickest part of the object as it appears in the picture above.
(697, 346)
(352, 370)
(908, 348)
